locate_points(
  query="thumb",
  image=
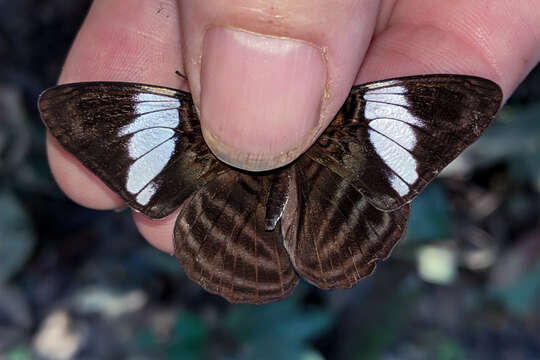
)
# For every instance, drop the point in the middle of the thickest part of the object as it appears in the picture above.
(269, 76)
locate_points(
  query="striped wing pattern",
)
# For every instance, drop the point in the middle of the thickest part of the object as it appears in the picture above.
(340, 234)
(222, 244)
(327, 217)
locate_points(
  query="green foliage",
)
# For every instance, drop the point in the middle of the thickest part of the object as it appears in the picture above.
(430, 218)
(521, 295)
(390, 316)
(435, 344)
(19, 353)
(279, 330)
(189, 339)
(448, 349)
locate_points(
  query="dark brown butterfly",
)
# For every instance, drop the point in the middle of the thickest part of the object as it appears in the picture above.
(327, 217)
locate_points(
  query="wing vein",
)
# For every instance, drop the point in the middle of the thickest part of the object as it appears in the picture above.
(346, 217)
(155, 111)
(408, 107)
(203, 240)
(152, 149)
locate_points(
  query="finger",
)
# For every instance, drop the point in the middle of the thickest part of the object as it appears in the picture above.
(269, 76)
(134, 40)
(467, 37)
(159, 232)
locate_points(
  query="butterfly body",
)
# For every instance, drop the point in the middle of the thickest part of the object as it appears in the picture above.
(328, 216)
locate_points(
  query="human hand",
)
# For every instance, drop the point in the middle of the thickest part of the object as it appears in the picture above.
(263, 105)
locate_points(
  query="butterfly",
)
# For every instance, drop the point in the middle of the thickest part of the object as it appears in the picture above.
(327, 217)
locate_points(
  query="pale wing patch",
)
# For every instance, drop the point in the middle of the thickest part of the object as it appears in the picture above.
(399, 185)
(393, 98)
(392, 135)
(146, 102)
(402, 133)
(399, 160)
(146, 194)
(147, 167)
(146, 140)
(389, 103)
(165, 118)
(152, 142)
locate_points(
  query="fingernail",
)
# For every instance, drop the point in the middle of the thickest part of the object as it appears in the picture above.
(260, 97)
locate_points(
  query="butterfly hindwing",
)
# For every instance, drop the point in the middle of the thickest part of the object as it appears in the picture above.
(340, 234)
(221, 241)
(143, 141)
(392, 137)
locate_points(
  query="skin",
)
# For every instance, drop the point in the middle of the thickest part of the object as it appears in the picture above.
(350, 42)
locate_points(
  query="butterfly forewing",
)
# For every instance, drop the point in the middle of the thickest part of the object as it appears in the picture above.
(143, 141)
(340, 234)
(221, 241)
(392, 137)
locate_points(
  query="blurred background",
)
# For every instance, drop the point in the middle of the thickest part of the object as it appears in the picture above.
(83, 284)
